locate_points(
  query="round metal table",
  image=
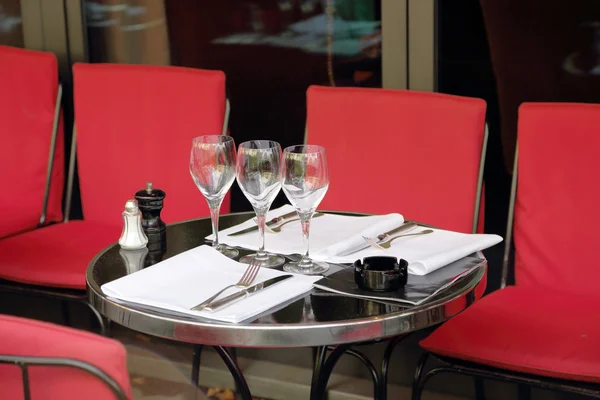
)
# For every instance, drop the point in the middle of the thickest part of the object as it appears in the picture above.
(318, 319)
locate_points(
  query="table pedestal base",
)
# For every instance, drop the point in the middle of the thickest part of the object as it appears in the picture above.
(230, 360)
(323, 367)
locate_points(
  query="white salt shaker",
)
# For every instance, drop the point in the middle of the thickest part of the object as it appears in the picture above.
(132, 237)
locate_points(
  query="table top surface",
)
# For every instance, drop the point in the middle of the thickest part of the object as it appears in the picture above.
(317, 319)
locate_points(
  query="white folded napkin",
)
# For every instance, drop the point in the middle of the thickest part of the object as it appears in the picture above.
(427, 253)
(329, 235)
(187, 279)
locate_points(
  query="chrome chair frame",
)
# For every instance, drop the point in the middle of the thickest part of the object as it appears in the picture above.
(323, 364)
(478, 371)
(51, 154)
(24, 362)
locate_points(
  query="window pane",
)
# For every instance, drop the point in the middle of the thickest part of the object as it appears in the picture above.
(11, 24)
(271, 51)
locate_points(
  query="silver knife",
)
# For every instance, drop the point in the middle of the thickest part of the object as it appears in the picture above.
(402, 228)
(272, 222)
(242, 294)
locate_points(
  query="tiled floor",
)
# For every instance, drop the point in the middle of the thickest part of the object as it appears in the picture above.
(165, 381)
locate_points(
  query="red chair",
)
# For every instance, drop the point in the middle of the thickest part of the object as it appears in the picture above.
(134, 124)
(543, 330)
(31, 155)
(421, 154)
(51, 362)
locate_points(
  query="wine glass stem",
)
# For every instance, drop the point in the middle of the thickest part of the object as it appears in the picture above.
(214, 219)
(261, 220)
(305, 221)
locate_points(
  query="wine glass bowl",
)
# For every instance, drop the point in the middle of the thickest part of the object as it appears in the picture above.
(259, 175)
(305, 182)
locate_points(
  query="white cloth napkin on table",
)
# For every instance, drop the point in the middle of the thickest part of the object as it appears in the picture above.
(187, 279)
(427, 253)
(329, 235)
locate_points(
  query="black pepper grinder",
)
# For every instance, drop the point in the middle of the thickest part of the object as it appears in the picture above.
(150, 202)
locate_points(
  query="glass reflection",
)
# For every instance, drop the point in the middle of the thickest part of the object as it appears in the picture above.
(323, 306)
(11, 24)
(270, 50)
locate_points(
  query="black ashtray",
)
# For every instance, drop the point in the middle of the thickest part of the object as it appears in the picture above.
(381, 274)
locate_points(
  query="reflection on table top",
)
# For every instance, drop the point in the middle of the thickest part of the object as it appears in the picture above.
(318, 318)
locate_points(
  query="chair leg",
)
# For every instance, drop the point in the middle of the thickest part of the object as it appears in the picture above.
(479, 389)
(523, 391)
(417, 387)
(64, 305)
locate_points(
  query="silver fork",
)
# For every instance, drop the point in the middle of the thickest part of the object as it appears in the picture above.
(245, 281)
(388, 242)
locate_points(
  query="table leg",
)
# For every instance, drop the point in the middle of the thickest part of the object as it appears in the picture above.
(235, 371)
(387, 355)
(104, 331)
(64, 304)
(196, 364)
(233, 352)
(323, 368)
(319, 356)
(375, 375)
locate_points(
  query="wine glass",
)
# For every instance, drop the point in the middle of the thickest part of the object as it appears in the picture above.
(212, 166)
(305, 182)
(259, 174)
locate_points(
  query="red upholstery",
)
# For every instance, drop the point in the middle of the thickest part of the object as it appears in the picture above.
(135, 124)
(546, 324)
(399, 151)
(23, 337)
(526, 329)
(55, 256)
(556, 213)
(29, 86)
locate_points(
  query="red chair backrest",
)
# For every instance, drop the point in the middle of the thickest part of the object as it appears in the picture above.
(135, 124)
(28, 91)
(399, 151)
(24, 337)
(557, 201)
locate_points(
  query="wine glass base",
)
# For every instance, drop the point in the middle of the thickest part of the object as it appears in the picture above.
(268, 261)
(227, 251)
(314, 268)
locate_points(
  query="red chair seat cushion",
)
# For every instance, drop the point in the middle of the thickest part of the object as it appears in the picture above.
(55, 256)
(16, 219)
(528, 330)
(24, 337)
